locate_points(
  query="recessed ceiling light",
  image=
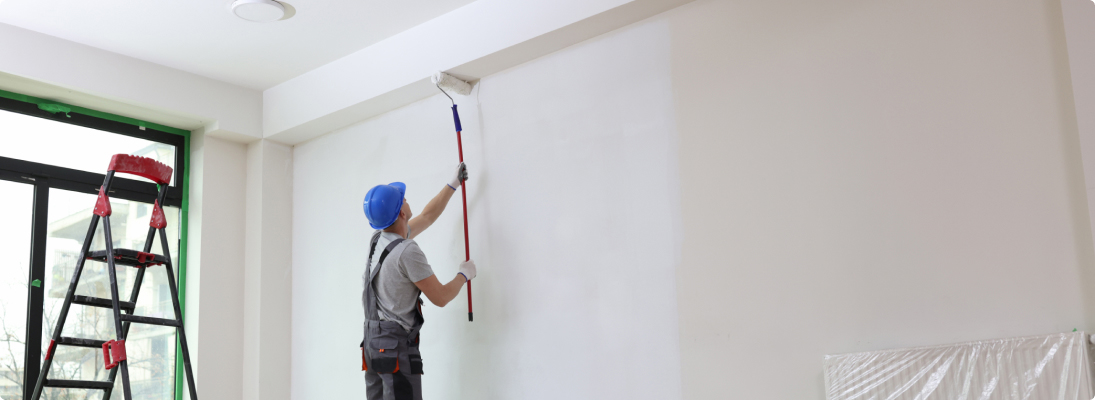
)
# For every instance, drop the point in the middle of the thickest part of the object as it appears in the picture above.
(259, 10)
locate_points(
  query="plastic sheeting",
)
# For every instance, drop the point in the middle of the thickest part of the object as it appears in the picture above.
(1049, 367)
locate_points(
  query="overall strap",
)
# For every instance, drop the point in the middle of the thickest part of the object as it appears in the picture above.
(370, 290)
(384, 255)
(366, 294)
(372, 248)
(412, 336)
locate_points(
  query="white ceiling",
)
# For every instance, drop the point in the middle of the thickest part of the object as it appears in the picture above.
(205, 38)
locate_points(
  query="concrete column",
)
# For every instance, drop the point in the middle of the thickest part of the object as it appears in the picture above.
(267, 287)
(214, 278)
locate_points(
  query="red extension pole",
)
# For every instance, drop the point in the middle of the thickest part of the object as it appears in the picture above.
(464, 197)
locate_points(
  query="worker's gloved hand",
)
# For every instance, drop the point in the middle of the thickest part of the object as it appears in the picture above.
(460, 176)
(467, 268)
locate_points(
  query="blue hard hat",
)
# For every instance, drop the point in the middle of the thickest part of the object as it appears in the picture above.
(383, 203)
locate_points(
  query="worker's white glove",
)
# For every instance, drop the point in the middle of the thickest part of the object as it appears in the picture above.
(460, 176)
(467, 268)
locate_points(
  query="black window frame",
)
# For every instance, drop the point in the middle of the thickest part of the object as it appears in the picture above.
(44, 177)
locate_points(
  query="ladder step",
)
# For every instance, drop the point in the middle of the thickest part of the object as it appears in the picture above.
(81, 342)
(150, 320)
(57, 383)
(127, 257)
(100, 302)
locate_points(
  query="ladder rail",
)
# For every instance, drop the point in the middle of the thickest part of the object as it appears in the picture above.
(178, 316)
(137, 281)
(123, 365)
(63, 316)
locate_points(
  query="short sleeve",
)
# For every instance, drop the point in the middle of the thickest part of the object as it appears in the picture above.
(413, 261)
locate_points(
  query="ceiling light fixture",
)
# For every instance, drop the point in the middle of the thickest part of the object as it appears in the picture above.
(259, 10)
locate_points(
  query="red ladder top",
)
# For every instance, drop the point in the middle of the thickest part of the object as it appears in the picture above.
(141, 166)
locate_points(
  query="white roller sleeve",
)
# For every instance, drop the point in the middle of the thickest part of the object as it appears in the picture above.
(451, 84)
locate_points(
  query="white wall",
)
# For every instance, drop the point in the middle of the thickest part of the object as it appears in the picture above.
(852, 176)
(1079, 20)
(574, 216)
(868, 175)
(267, 278)
(215, 266)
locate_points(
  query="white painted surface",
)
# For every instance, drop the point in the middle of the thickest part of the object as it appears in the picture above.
(33, 88)
(170, 83)
(268, 276)
(205, 38)
(234, 111)
(854, 176)
(574, 225)
(479, 39)
(1079, 20)
(215, 266)
(869, 175)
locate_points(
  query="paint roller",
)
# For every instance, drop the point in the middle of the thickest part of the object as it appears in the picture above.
(448, 83)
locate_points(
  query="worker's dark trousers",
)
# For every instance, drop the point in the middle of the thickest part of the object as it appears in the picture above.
(404, 384)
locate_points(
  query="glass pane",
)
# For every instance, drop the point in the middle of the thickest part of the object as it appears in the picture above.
(15, 228)
(150, 348)
(85, 149)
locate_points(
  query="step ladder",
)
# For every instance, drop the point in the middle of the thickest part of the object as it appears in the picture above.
(114, 353)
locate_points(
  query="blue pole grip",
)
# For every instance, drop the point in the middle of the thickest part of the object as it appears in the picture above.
(456, 117)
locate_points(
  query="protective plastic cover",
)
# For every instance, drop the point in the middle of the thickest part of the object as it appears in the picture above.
(1049, 367)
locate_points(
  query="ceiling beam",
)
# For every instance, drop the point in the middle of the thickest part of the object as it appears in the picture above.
(48, 67)
(473, 41)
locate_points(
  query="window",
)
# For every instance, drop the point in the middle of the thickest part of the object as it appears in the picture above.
(14, 264)
(51, 166)
(84, 148)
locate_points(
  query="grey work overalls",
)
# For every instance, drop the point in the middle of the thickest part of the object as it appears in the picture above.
(390, 354)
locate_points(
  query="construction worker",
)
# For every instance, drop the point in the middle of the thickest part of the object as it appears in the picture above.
(395, 275)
